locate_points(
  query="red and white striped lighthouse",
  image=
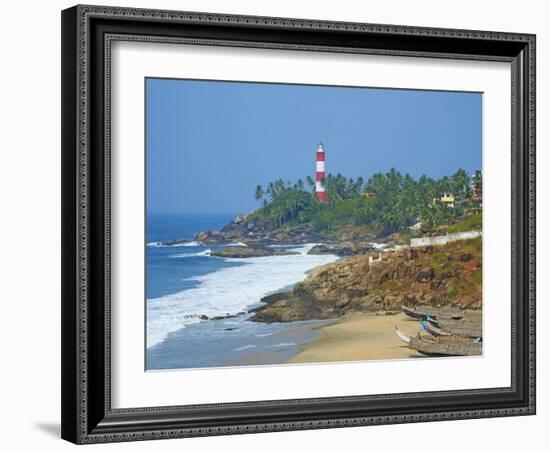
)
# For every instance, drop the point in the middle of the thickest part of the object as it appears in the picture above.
(320, 174)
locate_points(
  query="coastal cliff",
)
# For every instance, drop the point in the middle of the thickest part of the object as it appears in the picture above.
(443, 275)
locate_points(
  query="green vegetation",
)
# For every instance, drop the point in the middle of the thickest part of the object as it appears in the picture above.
(440, 258)
(471, 222)
(440, 263)
(476, 244)
(384, 204)
(477, 277)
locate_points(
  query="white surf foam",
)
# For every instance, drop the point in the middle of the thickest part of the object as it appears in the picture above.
(188, 255)
(229, 291)
(264, 334)
(244, 347)
(235, 244)
(285, 246)
(190, 244)
(181, 244)
(193, 244)
(282, 344)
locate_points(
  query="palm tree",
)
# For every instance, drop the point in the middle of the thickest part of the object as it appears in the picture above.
(279, 186)
(259, 192)
(310, 183)
(460, 184)
(358, 185)
(271, 190)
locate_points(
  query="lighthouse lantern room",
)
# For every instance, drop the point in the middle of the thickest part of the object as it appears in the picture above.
(320, 174)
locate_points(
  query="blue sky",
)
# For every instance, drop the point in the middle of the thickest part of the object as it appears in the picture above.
(210, 143)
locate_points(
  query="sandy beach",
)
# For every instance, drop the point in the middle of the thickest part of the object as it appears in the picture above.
(360, 337)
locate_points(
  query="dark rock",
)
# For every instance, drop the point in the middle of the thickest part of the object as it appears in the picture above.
(242, 252)
(342, 249)
(295, 310)
(175, 242)
(425, 276)
(354, 293)
(465, 257)
(343, 302)
(285, 252)
(320, 249)
(387, 276)
(251, 251)
(228, 316)
(269, 299)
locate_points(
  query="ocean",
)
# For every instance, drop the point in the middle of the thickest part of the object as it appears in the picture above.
(185, 282)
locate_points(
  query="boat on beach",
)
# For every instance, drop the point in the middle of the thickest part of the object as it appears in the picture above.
(402, 336)
(432, 329)
(446, 346)
(430, 313)
(468, 327)
(449, 331)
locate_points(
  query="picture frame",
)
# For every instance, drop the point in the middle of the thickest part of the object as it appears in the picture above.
(87, 366)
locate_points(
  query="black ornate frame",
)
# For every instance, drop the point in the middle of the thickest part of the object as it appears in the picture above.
(87, 33)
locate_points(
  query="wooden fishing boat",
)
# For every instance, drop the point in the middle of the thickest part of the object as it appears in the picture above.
(464, 328)
(446, 346)
(401, 336)
(433, 330)
(430, 313)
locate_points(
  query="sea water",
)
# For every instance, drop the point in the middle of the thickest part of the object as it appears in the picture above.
(186, 282)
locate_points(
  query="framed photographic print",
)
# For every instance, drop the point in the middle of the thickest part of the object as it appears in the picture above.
(280, 224)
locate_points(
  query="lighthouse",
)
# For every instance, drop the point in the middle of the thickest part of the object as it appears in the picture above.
(320, 174)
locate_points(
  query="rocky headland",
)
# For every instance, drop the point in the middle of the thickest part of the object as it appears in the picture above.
(250, 252)
(345, 248)
(256, 232)
(252, 237)
(443, 275)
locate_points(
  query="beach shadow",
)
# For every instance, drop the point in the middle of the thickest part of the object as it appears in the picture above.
(53, 429)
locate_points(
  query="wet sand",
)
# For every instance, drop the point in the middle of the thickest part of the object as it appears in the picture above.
(357, 337)
(275, 350)
(360, 337)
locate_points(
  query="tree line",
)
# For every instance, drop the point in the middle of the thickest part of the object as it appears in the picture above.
(385, 203)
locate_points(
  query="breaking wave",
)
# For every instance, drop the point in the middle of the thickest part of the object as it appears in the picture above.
(188, 255)
(229, 290)
(180, 244)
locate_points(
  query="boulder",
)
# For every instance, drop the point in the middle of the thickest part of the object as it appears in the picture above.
(321, 249)
(425, 275)
(242, 252)
(465, 257)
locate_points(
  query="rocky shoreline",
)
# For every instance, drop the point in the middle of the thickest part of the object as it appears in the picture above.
(253, 233)
(374, 275)
(265, 248)
(437, 276)
(250, 252)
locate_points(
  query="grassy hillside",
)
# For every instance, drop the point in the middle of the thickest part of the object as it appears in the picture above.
(471, 222)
